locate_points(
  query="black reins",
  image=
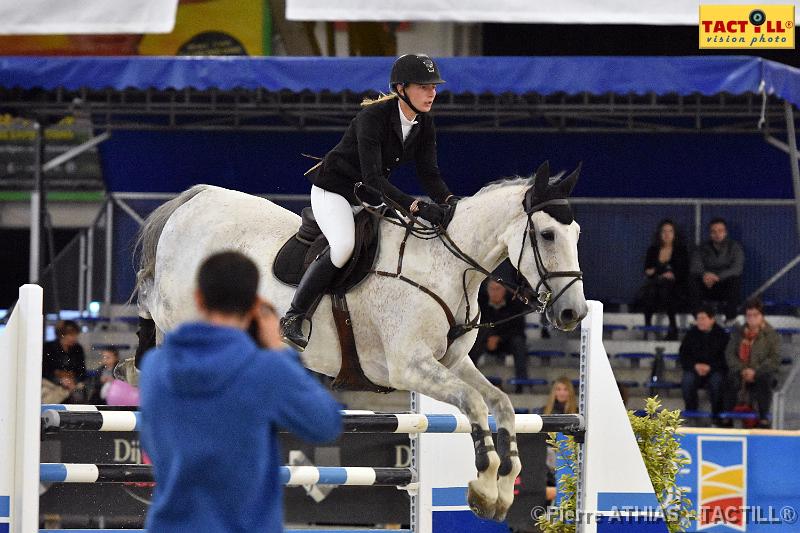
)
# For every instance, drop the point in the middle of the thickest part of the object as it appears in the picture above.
(412, 225)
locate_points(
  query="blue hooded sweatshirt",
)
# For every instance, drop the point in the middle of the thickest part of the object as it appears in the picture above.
(211, 404)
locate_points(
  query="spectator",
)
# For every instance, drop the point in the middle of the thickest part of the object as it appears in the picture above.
(666, 266)
(212, 405)
(63, 360)
(104, 389)
(562, 399)
(716, 271)
(101, 376)
(496, 304)
(753, 361)
(702, 356)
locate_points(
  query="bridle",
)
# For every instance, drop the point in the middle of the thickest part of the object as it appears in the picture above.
(543, 290)
(519, 290)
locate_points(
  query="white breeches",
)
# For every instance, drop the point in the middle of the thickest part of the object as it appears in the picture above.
(334, 216)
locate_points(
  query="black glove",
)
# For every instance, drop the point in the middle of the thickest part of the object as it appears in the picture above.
(433, 213)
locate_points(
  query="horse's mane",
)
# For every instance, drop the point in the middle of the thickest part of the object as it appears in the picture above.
(514, 180)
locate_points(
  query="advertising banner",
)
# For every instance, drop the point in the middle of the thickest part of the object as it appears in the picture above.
(742, 481)
(677, 12)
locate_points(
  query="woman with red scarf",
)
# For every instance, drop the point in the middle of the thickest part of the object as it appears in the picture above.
(753, 360)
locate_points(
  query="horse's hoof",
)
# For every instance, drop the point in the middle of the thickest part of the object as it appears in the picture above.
(479, 503)
(501, 509)
(126, 371)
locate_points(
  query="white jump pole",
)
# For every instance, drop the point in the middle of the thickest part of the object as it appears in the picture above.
(20, 397)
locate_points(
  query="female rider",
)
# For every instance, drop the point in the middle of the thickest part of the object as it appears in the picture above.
(388, 132)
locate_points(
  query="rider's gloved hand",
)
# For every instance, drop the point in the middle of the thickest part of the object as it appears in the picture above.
(433, 213)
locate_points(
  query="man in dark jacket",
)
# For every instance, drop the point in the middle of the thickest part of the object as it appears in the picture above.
(496, 305)
(716, 270)
(212, 404)
(702, 356)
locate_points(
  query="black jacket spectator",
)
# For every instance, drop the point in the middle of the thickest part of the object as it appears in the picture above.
(666, 267)
(508, 337)
(55, 358)
(706, 348)
(64, 356)
(704, 364)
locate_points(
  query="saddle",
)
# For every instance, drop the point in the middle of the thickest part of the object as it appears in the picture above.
(300, 251)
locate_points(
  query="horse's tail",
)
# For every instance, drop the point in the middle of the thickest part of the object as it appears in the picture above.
(150, 232)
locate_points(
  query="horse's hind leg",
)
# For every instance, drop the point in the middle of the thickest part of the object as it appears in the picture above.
(503, 411)
(428, 376)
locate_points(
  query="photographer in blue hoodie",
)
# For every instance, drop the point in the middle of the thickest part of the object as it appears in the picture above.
(212, 401)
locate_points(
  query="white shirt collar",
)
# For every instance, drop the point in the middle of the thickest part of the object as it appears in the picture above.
(403, 120)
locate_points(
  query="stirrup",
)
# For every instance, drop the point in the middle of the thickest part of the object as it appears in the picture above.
(292, 332)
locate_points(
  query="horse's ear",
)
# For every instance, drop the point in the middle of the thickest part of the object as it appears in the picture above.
(566, 185)
(541, 180)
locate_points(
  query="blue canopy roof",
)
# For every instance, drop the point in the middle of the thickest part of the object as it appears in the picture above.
(544, 75)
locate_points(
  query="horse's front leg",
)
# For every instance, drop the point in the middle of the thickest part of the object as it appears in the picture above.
(503, 411)
(427, 376)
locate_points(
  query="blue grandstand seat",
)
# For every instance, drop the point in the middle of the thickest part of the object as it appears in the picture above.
(629, 383)
(735, 415)
(527, 382)
(662, 385)
(495, 380)
(131, 319)
(695, 415)
(647, 330)
(635, 357)
(521, 411)
(788, 331)
(546, 355)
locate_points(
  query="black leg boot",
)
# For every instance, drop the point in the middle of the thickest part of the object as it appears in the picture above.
(315, 281)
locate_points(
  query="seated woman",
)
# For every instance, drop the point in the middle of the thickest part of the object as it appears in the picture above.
(753, 361)
(562, 400)
(666, 266)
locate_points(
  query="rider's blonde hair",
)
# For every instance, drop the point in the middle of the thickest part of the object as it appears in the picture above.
(382, 98)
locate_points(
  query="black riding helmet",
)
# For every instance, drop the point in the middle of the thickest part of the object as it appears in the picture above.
(413, 68)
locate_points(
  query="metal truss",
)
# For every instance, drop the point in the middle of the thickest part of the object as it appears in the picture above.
(260, 110)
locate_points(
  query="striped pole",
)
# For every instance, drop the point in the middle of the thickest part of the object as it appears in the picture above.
(352, 423)
(290, 475)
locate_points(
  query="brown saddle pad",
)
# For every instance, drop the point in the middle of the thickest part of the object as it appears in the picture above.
(302, 248)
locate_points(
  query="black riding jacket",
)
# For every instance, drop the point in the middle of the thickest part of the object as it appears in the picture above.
(372, 147)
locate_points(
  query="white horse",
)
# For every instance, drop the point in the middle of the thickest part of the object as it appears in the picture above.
(400, 331)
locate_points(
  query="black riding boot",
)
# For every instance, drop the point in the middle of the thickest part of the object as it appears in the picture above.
(317, 278)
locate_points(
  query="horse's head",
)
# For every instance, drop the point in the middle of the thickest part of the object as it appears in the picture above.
(543, 244)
